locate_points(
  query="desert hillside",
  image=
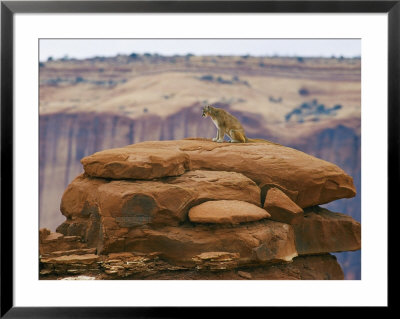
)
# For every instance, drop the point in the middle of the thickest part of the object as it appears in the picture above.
(277, 93)
(311, 104)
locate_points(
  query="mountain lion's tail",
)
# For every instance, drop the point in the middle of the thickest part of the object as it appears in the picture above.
(260, 140)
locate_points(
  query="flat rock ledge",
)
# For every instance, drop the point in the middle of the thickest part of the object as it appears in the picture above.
(84, 265)
(307, 180)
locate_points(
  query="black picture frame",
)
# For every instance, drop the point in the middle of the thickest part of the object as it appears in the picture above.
(9, 8)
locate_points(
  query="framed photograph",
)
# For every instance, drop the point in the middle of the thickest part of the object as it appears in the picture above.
(164, 155)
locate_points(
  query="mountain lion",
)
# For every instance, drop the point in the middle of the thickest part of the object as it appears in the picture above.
(227, 124)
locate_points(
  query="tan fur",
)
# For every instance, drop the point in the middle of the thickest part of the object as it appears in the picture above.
(227, 124)
(260, 140)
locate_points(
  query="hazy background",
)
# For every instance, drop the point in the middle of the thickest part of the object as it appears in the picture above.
(87, 48)
(98, 94)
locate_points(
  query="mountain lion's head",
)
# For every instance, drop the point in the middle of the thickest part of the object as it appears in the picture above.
(207, 111)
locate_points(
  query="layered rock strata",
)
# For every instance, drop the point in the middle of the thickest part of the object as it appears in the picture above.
(196, 205)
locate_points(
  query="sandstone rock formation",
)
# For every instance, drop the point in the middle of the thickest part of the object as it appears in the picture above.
(195, 205)
(306, 180)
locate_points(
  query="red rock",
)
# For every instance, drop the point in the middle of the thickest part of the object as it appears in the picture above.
(71, 259)
(318, 267)
(212, 264)
(282, 208)
(77, 200)
(121, 256)
(43, 233)
(244, 274)
(82, 251)
(226, 212)
(216, 261)
(323, 231)
(53, 237)
(210, 217)
(307, 180)
(122, 163)
(57, 242)
(261, 241)
(166, 201)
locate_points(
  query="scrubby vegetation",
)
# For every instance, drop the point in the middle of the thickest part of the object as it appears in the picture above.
(304, 92)
(275, 100)
(219, 79)
(79, 79)
(311, 111)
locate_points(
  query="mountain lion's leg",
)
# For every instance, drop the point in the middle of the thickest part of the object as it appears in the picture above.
(221, 133)
(236, 136)
(216, 138)
(232, 135)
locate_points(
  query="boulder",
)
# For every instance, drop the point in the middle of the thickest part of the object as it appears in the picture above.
(323, 231)
(282, 208)
(305, 179)
(138, 163)
(226, 212)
